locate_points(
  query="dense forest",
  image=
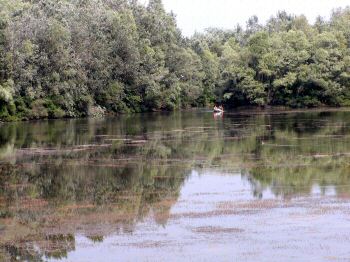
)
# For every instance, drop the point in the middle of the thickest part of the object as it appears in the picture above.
(72, 58)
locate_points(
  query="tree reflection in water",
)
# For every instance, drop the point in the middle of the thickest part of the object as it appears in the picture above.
(101, 177)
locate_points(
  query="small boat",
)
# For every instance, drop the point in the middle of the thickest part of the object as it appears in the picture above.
(218, 110)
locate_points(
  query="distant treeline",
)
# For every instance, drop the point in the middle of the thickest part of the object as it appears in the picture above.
(71, 58)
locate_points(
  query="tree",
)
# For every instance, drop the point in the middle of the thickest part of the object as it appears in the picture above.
(73, 57)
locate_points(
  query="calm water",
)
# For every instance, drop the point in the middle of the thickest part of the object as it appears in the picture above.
(183, 186)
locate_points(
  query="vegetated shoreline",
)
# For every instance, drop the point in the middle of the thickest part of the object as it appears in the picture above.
(243, 110)
(61, 58)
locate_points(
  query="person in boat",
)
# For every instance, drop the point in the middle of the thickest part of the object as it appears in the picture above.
(218, 109)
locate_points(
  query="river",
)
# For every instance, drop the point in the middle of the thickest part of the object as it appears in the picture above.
(184, 186)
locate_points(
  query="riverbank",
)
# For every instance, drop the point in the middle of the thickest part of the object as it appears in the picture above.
(98, 113)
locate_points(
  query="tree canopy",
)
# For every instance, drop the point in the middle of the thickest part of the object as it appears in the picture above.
(71, 58)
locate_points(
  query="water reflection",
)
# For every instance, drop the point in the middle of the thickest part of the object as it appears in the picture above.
(101, 177)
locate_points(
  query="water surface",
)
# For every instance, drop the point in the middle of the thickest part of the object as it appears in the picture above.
(244, 186)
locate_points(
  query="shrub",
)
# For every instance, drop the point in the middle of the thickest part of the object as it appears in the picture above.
(38, 110)
(84, 104)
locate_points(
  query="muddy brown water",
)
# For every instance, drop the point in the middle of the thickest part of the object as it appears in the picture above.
(185, 186)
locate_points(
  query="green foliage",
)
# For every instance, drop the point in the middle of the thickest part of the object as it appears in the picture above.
(7, 92)
(84, 104)
(38, 109)
(287, 62)
(113, 97)
(53, 110)
(7, 105)
(68, 59)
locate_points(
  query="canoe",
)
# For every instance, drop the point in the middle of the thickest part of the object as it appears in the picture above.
(218, 111)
